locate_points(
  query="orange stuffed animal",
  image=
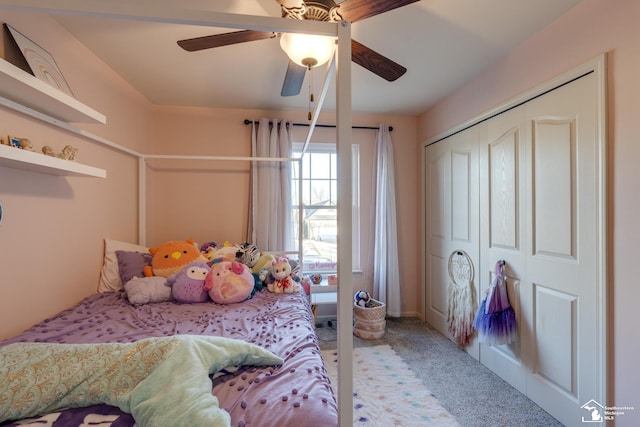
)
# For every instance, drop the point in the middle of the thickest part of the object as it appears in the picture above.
(171, 257)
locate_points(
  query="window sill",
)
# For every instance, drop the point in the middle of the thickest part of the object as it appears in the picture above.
(325, 287)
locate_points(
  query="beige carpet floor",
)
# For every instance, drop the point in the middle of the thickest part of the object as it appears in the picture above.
(473, 394)
(386, 392)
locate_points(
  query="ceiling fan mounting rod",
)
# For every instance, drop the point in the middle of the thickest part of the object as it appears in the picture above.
(294, 12)
(318, 10)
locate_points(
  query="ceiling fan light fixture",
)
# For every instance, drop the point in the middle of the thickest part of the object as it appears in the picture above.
(307, 50)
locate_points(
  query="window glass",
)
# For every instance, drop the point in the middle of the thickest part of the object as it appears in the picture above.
(319, 207)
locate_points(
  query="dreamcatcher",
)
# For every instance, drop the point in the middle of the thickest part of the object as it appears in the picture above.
(462, 302)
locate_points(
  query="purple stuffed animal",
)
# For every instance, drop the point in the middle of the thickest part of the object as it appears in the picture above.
(187, 286)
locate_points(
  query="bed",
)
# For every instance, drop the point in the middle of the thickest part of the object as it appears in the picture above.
(296, 392)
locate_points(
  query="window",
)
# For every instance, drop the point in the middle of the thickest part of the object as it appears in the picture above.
(318, 187)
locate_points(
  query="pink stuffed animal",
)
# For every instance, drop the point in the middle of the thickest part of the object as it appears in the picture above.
(229, 282)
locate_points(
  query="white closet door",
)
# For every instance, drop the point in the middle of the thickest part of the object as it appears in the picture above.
(503, 230)
(561, 310)
(437, 232)
(539, 204)
(527, 186)
(451, 207)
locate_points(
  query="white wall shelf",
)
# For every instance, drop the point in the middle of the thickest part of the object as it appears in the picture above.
(28, 90)
(30, 95)
(16, 158)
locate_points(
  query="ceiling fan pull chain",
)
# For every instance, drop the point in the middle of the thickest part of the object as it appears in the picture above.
(311, 100)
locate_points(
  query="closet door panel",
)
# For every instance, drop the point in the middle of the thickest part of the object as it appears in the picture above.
(460, 195)
(556, 326)
(438, 187)
(438, 290)
(554, 192)
(503, 189)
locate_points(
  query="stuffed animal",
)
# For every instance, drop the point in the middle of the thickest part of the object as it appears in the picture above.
(362, 298)
(262, 271)
(226, 252)
(229, 282)
(69, 152)
(295, 270)
(48, 151)
(264, 262)
(283, 282)
(248, 254)
(207, 249)
(187, 286)
(171, 257)
(26, 144)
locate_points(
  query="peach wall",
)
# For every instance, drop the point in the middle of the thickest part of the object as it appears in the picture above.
(51, 237)
(205, 200)
(588, 30)
(209, 200)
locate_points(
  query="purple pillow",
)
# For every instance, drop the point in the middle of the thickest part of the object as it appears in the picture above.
(132, 264)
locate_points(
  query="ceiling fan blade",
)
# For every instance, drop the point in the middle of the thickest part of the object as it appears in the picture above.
(376, 63)
(293, 79)
(356, 10)
(217, 40)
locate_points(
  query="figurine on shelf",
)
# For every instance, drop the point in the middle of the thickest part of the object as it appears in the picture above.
(69, 152)
(3, 141)
(26, 144)
(13, 141)
(48, 151)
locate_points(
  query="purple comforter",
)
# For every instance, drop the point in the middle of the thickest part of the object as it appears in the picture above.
(297, 393)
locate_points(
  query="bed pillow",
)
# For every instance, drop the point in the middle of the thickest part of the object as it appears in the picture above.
(145, 290)
(109, 275)
(132, 264)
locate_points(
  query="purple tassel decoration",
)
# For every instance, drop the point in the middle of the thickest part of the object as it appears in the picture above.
(495, 320)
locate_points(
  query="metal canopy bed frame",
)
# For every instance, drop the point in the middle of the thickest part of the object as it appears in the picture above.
(340, 30)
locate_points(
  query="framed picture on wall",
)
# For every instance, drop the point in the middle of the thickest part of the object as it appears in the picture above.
(40, 61)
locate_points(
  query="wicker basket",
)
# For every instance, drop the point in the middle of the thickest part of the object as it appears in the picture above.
(369, 322)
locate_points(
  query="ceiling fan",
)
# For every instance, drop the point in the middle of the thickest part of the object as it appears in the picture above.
(317, 10)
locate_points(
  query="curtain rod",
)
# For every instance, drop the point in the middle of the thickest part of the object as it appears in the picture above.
(248, 122)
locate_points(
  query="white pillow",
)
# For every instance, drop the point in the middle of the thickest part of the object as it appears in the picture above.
(109, 275)
(144, 290)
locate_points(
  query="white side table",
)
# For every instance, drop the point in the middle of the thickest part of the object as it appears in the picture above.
(328, 295)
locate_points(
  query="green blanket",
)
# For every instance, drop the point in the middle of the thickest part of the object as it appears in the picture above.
(159, 381)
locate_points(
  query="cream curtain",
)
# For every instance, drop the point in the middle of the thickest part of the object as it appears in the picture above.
(386, 273)
(270, 207)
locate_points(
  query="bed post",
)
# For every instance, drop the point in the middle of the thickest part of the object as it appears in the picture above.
(142, 201)
(345, 264)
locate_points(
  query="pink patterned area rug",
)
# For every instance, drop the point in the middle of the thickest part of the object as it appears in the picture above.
(386, 392)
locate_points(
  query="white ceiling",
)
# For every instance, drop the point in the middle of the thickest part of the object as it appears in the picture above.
(442, 43)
